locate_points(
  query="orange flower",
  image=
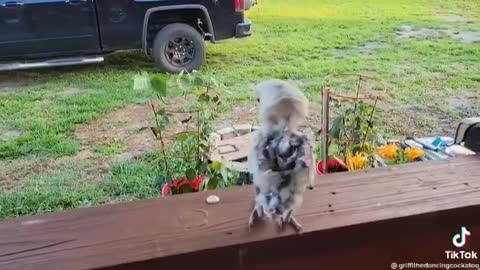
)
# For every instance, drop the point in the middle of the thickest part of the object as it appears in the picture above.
(414, 153)
(356, 162)
(389, 151)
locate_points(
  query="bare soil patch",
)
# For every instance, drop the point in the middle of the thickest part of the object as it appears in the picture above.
(417, 120)
(72, 91)
(368, 48)
(11, 134)
(129, 126)
(409, 32)
(12, 172)
(126, 125)
(10, 83)
(466, 103)
(453, 18)
(241, 114)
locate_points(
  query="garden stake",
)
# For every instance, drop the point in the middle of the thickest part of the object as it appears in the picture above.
(325, 128)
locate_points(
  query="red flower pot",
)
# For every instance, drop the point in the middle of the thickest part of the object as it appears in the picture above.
(333, 165)
(181, 185)
(165, 190)
(196, 182)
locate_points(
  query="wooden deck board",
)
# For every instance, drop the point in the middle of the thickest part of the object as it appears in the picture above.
(147, 231)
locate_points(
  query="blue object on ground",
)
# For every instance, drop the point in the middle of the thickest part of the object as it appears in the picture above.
(438, 142)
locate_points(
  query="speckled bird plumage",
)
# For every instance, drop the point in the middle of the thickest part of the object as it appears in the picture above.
(281, 160)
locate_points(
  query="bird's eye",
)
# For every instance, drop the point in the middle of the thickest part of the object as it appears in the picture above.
(258, 100)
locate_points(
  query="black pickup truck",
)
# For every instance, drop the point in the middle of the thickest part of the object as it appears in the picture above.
(45, 33)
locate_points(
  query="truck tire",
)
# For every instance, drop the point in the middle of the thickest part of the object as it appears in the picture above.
(178, 47)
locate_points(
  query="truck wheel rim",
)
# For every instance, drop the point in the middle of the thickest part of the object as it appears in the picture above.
(179, 51)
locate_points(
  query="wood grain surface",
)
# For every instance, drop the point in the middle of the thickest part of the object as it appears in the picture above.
(360, 219)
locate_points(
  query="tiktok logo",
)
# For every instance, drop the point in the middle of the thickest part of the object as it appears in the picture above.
(460, 239)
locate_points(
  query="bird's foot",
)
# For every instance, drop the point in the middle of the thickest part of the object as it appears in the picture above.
(282, 223)
(295, 224)
(254, 217)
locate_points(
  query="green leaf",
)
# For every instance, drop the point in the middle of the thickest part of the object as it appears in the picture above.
(224, 173)
(207, 114)
(183, 137)
(370, 124)
(159, 181)
(337, 127)
(204, 146)
(141, 82)
(198, 91)
(165, 118)
(215, 82)
(159, 84)
(198, 81)
(163, 121)
(190, 174)
(213, 183)
(216, 99)
(216, 165)
(203, 97)
(184, 82)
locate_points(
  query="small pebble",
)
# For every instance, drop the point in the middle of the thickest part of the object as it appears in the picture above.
(213, 199)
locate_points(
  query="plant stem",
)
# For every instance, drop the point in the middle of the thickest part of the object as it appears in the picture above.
(198, 138)
(370, 119)
(160, 136)
(357, 93)
(163, 151)
(155, 114)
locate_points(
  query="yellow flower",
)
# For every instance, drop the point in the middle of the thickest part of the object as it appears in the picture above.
(389, 151)
(414, 153)
(356, 162)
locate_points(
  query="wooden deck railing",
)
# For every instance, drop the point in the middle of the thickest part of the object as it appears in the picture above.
(365, 220)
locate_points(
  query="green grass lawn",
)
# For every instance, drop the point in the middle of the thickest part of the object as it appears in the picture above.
(433, 81)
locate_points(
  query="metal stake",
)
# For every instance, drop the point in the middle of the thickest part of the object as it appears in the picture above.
(325, 127)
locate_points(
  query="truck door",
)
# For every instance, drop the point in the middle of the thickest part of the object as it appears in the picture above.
(121, 21)
(43, 28)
